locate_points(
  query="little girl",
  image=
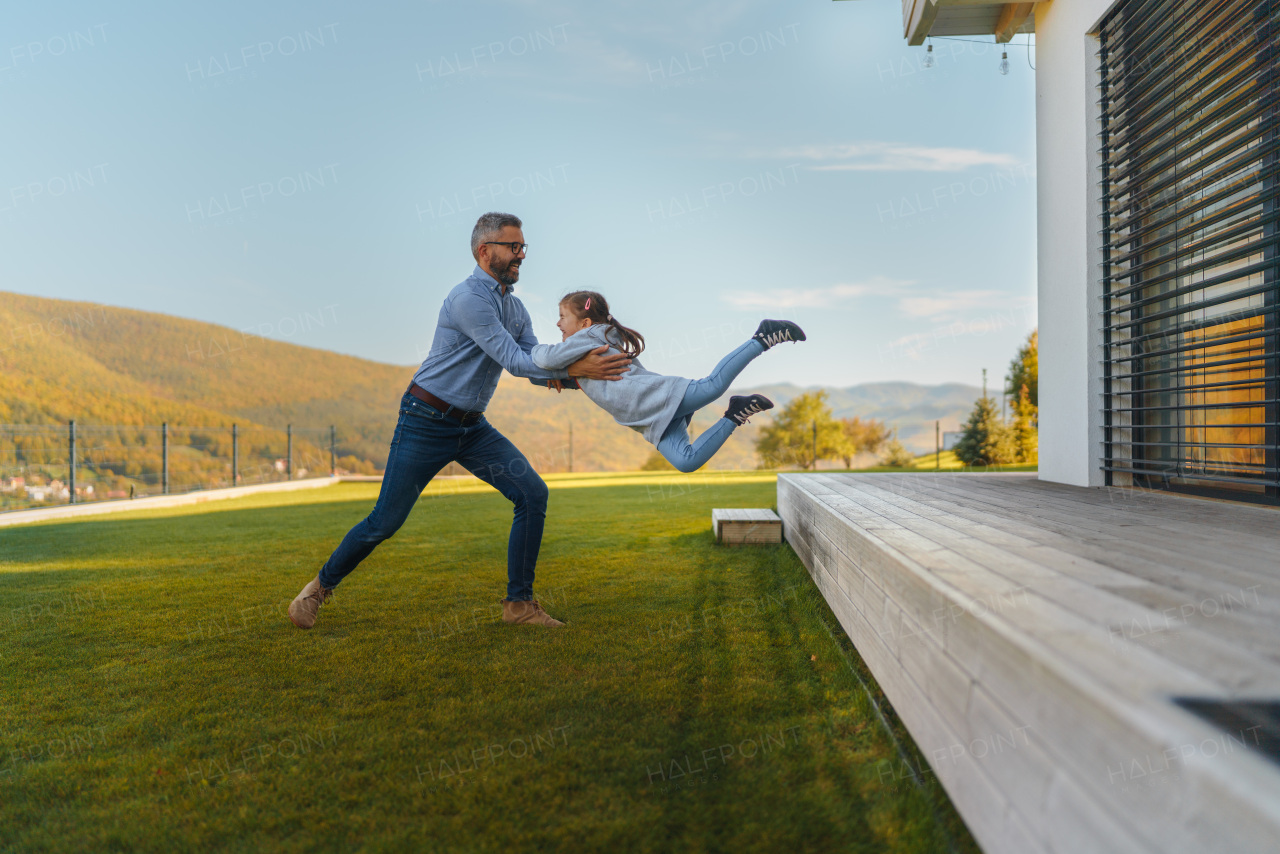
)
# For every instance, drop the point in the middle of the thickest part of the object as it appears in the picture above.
(658, 406)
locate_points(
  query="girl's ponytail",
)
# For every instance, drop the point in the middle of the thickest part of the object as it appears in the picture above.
(593, 306)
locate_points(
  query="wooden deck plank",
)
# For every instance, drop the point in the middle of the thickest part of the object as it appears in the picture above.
(1183, 581)
(1207, 596)
(1244, 615)
(1048, 617)
(1202, 543)
(1240, 668)
(1072, 520)
(1021, 497)
(978, 614)
(879, 656)
(1021, 759)
(1075, 518)
(1237, 668)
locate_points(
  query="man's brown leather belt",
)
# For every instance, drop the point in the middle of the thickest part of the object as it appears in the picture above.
(464, 417)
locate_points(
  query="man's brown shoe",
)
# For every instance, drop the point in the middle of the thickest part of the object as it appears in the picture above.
(527, 614)
(303, 610)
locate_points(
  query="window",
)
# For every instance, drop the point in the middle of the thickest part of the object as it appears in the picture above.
(1189, 232)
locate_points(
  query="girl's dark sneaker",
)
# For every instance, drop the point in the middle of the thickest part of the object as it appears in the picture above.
(743, 407)
(776, 331)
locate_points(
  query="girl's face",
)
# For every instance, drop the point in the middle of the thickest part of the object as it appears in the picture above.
(569, 323)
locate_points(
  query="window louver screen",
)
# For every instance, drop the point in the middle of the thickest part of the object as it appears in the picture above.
(1190, 170)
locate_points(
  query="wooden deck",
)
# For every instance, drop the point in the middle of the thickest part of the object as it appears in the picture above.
(1036, 640)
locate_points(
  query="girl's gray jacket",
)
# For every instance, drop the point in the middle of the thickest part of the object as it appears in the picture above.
(642, 400)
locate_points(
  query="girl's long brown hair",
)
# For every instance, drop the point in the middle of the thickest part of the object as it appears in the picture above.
(595, 307)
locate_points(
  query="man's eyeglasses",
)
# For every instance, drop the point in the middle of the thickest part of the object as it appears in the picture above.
(516, 248)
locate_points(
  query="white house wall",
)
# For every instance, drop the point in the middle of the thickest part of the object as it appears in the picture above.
(1069, 208)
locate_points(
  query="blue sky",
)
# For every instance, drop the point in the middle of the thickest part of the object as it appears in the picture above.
(311, 172)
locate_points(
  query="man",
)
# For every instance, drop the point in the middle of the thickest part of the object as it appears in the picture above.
(482, 330)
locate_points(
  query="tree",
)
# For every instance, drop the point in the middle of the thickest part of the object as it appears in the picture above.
(790, 439)
(985, 440)
(864, 437)
(1023, 384)
(897, 455)
(1025, 436)
(1024, 370)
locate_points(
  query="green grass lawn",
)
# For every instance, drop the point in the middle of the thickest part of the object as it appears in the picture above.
(155, 697)
(948, 461)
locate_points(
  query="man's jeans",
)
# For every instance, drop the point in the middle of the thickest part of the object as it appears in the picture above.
(674, 444)
(425, 442)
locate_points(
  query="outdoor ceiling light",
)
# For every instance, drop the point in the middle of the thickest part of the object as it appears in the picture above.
(928, 57)
(1004, 62)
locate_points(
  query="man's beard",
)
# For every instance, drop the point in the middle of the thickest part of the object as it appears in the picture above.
(507, 275)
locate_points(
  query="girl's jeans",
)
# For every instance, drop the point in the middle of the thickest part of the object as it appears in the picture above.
(425, 442)
(674, 444)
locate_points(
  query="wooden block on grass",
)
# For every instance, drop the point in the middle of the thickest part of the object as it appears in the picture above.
(746, 527)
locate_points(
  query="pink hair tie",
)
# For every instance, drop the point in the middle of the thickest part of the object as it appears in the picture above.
(587, 307)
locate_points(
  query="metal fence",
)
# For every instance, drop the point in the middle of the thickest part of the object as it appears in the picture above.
(45, 464)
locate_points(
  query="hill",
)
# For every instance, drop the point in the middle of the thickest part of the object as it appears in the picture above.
(102, 365)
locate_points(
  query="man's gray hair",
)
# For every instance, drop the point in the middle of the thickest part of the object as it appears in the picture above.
(488, 226)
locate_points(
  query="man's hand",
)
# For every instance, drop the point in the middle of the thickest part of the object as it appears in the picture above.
(556, 385)
(597, 366)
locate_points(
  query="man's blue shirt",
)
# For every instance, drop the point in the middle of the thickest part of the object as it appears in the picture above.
(481, 332)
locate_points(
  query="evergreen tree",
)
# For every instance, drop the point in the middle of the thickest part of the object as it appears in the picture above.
(789, 440)
(986, 441)
(1024, 370)
(1026, 437)
(1023, 384)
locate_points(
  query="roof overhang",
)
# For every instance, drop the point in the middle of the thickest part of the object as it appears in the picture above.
(924, 18)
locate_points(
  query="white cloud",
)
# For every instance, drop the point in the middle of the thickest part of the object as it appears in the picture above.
(893, 157)
(939, 307)
(949, 305)
(823, 297)
(997, 312)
